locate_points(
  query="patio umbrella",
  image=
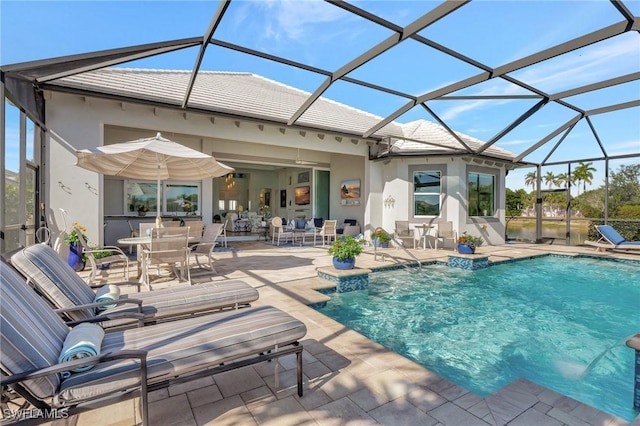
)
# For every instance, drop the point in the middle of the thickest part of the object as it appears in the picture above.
(151, 158)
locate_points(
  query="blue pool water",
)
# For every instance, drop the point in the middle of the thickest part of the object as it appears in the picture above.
(556, 321)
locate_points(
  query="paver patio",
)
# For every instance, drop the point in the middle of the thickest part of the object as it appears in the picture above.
(348, 379)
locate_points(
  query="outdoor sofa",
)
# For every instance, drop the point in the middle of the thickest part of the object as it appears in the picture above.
(50, 275)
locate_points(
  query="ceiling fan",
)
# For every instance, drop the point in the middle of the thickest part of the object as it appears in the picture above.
(303, 162)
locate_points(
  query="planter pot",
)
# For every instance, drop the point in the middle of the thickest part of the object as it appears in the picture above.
(142, 213)
(384, 244)
(75, 258)
(465, 249)
(344, 264)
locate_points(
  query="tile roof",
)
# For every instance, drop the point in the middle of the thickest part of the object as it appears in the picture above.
(257, 97)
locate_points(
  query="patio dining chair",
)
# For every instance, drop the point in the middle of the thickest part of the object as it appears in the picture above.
(64, 289)
(132, 233)
(327, 232)
(223, 232)
(98, 257)
(402, 232)
(145, 228)
(168, 246)
(127, 363)
(196, 228)
(278, 232)
(446, 232)
(206, 245)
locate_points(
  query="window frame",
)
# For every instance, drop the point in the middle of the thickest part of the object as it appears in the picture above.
(162, 203)
(427, 168)
(497, 191)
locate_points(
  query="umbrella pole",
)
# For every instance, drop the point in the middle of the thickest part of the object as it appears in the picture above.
(158, 207)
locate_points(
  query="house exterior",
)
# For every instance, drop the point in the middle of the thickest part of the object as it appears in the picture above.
(410, 180)
(417, 172)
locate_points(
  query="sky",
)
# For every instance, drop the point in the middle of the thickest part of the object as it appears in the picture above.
(320, 35)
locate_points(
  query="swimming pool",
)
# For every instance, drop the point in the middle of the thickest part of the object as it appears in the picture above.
(556, 321)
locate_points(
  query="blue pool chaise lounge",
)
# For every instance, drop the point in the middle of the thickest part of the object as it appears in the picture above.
(611, 240)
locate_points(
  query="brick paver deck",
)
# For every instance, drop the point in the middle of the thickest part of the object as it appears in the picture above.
(348, 379)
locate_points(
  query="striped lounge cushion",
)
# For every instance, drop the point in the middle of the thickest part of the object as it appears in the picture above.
(183, 346)
(31, 336)
(65, 289)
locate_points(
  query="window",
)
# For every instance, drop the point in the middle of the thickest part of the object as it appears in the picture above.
(177, 198)
(220, 204)
(182, 198)
(141, 196)
(482, 192)
(426, 193)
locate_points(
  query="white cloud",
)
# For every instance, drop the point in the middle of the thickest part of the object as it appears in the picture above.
(297, 20)
(570, 70)
(627, 147)
(585, 65)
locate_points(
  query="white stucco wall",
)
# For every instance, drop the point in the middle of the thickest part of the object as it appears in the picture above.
(75, 122)
(393, 182)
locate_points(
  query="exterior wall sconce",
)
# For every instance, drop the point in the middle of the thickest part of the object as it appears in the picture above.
(389, 202)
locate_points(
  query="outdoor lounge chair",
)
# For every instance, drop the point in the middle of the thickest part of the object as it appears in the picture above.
(611, 240)
(133, 361)
(64, 289)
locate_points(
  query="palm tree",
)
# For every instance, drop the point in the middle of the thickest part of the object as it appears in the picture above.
(583, 173)
(530, 180)
(564, 180)
(550, 179)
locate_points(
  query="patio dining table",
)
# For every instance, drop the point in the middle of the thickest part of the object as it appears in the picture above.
(425, 231)
(141, 243)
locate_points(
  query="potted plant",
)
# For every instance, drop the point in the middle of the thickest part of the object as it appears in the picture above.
(467, 243)
(344, 252)
(142, 209)
(380, 238)
(76, 259)
(99, 254)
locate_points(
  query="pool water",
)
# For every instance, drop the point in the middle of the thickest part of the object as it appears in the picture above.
(557, 321)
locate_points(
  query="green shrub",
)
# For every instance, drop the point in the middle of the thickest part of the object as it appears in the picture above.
(347, 248)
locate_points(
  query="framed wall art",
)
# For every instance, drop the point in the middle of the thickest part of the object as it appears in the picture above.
(302, 195)
(303, 177)
(350, 189)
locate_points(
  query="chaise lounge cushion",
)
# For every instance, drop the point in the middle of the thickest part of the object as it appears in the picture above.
(64, 288)
(32, 335)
